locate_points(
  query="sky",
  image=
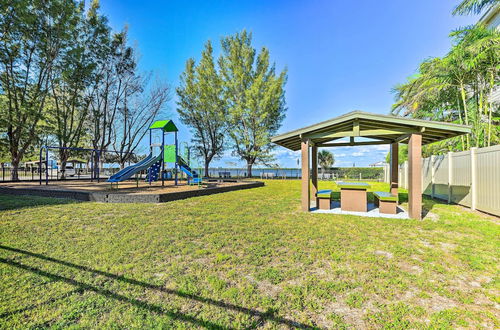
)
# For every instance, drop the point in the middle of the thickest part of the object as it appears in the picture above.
(340, 55)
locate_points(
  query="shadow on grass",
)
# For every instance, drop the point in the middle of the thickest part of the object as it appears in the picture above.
(14, 202)
(138, 303)
(48, 301)
(428, 204)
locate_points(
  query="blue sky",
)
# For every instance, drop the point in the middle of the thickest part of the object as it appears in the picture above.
(341, 55)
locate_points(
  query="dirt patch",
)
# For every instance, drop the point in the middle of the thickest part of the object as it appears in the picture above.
(352, 316)
(409, 268)
(431, 216)
(386, 254)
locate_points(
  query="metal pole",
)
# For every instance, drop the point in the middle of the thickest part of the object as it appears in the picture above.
(162, 158)
(46, 166)
(151, 150)
(40, 165)
(92, 166)
(176, 158)
(98, 161)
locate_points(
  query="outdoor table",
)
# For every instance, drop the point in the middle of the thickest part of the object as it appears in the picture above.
(353, 196)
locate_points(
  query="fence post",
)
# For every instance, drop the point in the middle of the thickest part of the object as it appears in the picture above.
(450, 175)
(473, 184)
(433, 173)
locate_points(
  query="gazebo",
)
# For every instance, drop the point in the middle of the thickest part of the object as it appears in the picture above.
(362, 129)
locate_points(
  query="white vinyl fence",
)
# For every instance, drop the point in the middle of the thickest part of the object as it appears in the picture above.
(470, 178)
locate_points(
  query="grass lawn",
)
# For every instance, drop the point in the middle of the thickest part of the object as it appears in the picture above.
(248, 258)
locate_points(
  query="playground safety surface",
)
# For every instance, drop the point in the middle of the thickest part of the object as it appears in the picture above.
(124, 192)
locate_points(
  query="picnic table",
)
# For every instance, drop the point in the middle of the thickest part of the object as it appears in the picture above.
(353, 196)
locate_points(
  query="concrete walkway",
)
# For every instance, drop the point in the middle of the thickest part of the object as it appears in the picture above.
(372, 211)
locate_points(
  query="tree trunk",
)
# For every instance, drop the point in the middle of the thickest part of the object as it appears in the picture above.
(95, 165)
(489, 124)
(461, 121)
(249, 169)
(63, 156)
(15, 169)
(63, 169)
(464, 102)
(207, 163)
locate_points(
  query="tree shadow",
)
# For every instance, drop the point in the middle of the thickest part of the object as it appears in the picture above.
(13, 202)
(269, 315)
(46, 302)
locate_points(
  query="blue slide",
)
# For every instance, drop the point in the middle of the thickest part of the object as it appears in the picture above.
(129, 171)
(192, 175)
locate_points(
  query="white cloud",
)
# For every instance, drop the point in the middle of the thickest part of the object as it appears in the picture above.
(285, 153)
(382, 147)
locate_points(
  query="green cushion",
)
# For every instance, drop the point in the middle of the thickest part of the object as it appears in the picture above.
(386, 196)
(324, 194)
(353, 185)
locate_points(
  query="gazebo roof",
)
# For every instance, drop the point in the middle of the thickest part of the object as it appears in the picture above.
(383, 129)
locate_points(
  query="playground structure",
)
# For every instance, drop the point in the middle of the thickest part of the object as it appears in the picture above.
(95, 188)
(154, 163)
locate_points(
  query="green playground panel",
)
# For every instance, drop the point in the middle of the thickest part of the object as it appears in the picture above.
(169, 153)
(165, 125)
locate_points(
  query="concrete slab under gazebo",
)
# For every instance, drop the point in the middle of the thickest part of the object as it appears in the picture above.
(362, 129)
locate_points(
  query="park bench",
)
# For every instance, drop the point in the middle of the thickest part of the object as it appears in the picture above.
(386, 202)
(324, 199)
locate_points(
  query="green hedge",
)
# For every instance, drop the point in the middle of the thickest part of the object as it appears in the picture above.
(353, 172)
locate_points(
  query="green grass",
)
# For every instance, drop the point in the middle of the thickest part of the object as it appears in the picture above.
(243, 259)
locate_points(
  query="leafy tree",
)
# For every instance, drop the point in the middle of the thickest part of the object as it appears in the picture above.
(67, 107)
(138, 112)
(325, 159)
(65, 78)
(402, 154)
(33, 34)
(255, 97)
(201, 106)
(455, 88)
(474, 6)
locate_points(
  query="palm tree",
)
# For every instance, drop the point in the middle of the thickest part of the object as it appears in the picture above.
(325, 160)
(455, 88)
(467, 7)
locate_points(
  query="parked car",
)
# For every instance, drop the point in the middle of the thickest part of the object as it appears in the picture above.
(68, 171)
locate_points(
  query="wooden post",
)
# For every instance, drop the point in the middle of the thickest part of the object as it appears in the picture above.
(415, 176)
(314, 172)
(394, 168)
(473, 175)
(405, 171)
(306, 194)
